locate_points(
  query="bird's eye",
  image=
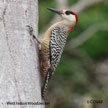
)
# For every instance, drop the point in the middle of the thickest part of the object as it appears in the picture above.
(68, 13)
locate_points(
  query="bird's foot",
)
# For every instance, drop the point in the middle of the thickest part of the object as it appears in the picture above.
(30, 30)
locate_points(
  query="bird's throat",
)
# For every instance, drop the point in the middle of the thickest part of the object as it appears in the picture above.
(72, 28)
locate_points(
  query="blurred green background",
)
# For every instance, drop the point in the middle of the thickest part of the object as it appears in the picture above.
(83, 71)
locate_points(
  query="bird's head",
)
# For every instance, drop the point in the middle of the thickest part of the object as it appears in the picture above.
(67, 15)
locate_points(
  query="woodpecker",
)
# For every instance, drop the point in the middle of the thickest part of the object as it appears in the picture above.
(53, 43)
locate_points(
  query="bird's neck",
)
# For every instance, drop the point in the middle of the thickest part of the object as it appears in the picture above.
(69, 26)
(64, 24)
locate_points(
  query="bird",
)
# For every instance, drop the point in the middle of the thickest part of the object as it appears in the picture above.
(53, 43)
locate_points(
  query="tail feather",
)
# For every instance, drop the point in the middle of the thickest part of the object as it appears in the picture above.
(46, 81)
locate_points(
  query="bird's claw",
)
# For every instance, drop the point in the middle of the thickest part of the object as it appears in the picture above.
(30, 29)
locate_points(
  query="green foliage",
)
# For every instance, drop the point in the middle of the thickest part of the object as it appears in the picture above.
(44, 14)
(71, 2)
(96, 47)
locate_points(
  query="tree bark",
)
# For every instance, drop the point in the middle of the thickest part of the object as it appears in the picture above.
(19, 64)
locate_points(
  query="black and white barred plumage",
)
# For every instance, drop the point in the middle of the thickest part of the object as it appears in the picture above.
(57, 43)
(58, 38)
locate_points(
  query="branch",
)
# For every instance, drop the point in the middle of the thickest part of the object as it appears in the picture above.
(62, 4)
(102, 72)
(79, 7)
(83, 37)
(82, 5)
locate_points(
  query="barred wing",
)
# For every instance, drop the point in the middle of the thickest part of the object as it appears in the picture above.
(57, 43)
(58, 39)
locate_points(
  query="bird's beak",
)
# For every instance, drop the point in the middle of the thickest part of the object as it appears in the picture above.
(55, 10)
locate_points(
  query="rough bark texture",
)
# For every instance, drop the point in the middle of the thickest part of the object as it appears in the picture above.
(19, 66)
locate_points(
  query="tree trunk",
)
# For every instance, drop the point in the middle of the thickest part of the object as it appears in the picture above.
(19, 65)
